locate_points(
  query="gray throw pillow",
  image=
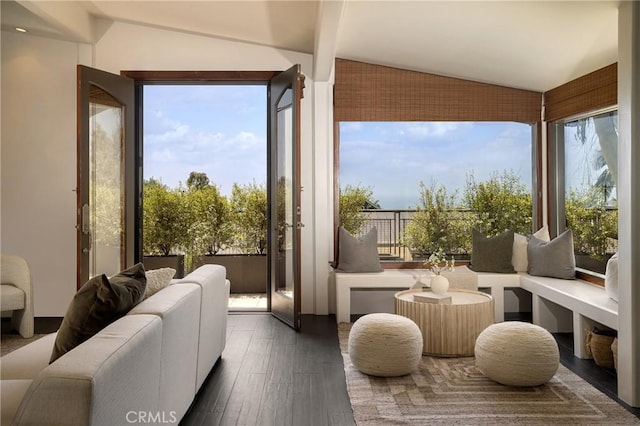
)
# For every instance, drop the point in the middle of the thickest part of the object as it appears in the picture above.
(492, 254)
(553, 258)
(98, 303)
(358, 254)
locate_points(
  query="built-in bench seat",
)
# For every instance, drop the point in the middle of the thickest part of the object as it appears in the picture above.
(557, 305)
(570, 305)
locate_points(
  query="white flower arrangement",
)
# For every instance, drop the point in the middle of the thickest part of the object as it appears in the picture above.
(438, 262)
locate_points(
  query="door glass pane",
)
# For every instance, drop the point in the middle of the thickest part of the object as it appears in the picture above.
(106, 184)
(591, 175)
(286, 216)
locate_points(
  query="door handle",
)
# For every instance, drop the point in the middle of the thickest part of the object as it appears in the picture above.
(86, 229)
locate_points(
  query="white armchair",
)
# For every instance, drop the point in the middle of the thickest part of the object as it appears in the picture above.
(16, 293)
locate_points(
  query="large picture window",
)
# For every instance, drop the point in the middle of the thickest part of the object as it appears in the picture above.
(587, 163)
(425, 185)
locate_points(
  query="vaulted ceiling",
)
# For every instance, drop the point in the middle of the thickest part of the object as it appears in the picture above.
(535, 45)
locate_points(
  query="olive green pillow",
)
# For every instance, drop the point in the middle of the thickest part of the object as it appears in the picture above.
(98, 303)
(492, 254)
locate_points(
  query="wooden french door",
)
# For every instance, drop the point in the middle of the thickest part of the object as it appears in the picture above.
(284, 192)
(106, 173)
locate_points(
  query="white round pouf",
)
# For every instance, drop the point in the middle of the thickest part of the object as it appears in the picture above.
(385, 345)
(517, 354)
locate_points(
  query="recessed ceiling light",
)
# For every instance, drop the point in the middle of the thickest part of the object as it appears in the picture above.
(21, 30)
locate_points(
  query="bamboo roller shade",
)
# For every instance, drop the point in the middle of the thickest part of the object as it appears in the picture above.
(368, 92)
(593, 91)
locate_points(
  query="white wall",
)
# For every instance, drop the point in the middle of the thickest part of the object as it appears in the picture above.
(133, 47)
(39, 143)
(39, 163)
(629, 202)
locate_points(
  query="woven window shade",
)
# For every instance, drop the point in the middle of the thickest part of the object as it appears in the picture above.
(367, 92)
(590, 92)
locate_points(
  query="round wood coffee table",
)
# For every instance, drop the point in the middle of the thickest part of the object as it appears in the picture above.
(448, 329)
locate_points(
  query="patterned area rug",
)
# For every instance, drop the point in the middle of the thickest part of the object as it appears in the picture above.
(446, 391)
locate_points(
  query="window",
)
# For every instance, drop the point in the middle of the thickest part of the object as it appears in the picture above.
(424, 185)
(587, 150)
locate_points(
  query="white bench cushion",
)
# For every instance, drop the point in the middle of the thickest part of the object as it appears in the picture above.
(580, 297)
(587, 299)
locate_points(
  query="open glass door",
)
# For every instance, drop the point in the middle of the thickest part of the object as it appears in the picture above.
(106, 173)
(284, 195)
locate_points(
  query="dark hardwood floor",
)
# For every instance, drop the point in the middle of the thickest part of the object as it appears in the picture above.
(272, 375)
(603, 379)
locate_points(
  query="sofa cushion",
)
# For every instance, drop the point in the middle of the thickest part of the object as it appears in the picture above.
(98, 383)
(98, 303)
(179, 308)
(492, 254)
(358, 254)
(520, 242)
(213, 315)
(553, 258)
(26, 362)
(11, 394)
(157, 279)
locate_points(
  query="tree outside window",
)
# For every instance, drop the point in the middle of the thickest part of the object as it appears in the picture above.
(591, 171)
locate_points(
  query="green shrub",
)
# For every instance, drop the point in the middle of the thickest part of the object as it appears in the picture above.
(209, 219)
(352, 200)
(249, 217)
(437, 224)
(498, 204)
(593, 225)
(164, 219)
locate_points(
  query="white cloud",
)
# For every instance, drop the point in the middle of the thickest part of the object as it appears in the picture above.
(431, 129)
(226, 159)
(218, 130)
(162, 156)
(393, 164)
(350, 126)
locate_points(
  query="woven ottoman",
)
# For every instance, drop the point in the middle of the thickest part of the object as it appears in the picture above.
(517, 354)
(385, 345)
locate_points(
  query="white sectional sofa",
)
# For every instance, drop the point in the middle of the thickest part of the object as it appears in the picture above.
(146, 367)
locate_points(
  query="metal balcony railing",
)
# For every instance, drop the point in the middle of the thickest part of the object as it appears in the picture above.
(391, 225)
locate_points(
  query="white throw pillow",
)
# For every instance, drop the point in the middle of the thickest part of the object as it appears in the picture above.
(157, 279)
(519, 257)
(611, 278)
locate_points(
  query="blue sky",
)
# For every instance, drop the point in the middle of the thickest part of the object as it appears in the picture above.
(221, 130)
(392, 158)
